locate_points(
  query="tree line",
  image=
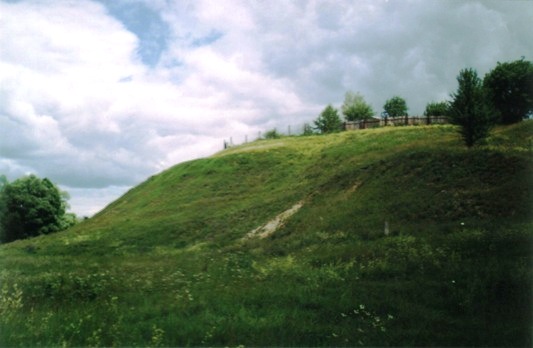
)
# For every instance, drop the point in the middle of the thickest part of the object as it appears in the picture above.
(504, 96)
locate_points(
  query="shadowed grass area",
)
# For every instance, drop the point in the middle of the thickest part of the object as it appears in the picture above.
(168, 265)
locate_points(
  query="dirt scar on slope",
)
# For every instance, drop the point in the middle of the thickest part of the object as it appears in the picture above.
(270, 227)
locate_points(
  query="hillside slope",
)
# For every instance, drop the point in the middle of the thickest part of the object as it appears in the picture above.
(392, 236)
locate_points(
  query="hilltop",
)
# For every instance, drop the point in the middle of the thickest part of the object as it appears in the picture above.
(390, 236)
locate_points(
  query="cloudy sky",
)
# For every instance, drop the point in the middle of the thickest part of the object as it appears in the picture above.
(99, 95)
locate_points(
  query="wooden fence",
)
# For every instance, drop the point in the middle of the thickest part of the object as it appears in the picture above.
(350, 125)
(395, 121)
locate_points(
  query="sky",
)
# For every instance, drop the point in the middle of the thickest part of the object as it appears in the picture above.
(99, 95)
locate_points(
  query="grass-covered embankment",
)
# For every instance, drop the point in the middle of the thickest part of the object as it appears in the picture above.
(170, 263)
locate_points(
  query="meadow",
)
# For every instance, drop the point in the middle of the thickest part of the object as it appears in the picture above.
(404, 237)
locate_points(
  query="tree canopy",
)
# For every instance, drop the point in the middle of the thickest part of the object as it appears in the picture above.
(328, 121)
(436, 109)
(469, 109)
(509, 87)
(30, 206)
(355, 107)
(396, 106)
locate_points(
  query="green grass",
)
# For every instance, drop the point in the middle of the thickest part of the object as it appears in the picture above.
(168, 264)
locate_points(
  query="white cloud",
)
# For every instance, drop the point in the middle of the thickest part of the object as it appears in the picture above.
(88, 202)
(78, 103)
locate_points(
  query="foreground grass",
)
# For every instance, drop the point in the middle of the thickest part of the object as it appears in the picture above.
(168, 264)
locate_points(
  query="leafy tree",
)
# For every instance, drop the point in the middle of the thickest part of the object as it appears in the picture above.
(436, 109)
(328, 121)
(272, 134)
(469, 108)
(29, 207)
(308, 130)
(509, 87)
(396, 106)
(3, 185)
(356, 108)
(3, 182)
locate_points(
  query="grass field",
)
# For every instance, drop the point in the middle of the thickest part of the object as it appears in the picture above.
(171, 263)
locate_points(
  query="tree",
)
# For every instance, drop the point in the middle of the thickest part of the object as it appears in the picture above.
(509, 87)
(308, 130)
(356, 108)
(29, 207)
(469, 109)
(328, 121)
(272, 134)
(396, 106)
(436, 109)
(3, 183)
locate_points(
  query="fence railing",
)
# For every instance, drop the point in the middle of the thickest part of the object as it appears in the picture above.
(395, 121)
(349, 125)
(290, 130)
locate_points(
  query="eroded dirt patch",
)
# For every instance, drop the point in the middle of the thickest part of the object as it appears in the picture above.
(272, 226)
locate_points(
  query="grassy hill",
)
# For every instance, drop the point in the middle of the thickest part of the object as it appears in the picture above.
(392, 236)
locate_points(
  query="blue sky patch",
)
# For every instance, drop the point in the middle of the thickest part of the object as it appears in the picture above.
(213, 36)
(146, 24)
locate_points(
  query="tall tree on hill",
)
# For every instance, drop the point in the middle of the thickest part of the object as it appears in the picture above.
(469, 109)
(509, 87)
(356, 108)
(29, 207)
(396, 106)
(328, 121)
